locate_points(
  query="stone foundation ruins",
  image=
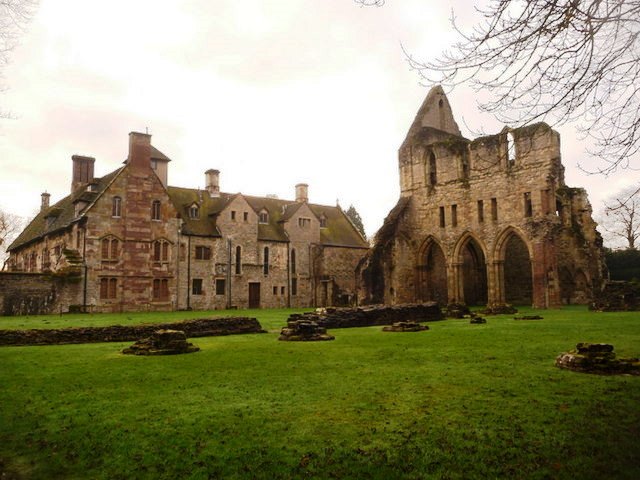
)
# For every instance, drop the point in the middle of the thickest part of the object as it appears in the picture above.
(162, 342)
(488, 221)
(597, 358)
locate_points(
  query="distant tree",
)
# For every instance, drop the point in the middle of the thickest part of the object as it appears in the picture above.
(355, 218)
(622, 217)
(14, 16)
(10, 226)
(557, 61)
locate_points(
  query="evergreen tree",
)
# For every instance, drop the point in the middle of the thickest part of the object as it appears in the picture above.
(356, 219)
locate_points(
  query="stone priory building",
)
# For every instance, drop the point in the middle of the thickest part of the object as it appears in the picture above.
(484, 221)
(131, 242)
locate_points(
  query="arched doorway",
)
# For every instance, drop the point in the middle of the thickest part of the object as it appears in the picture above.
(518, 284)
(434, 274)
(474, 273)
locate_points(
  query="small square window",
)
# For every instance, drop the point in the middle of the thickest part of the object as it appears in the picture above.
(245, 216)
(233, 215)
(275, 290)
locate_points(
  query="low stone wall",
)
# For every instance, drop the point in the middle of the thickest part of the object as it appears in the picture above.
(205, 327)
(37, 293)
(371, 315)
(617, 296)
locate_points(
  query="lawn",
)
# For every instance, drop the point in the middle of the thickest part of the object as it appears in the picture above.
(457, 401)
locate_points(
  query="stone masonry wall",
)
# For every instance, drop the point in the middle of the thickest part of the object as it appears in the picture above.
(37, 293)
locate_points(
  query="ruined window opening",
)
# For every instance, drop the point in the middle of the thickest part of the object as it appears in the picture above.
(480, 211)
(196, 286)
(294, 286)
(558, 208)
(160, 289)
(465, 166)
(203, 253)
(221, 286)
(433, 173)
(442, 221)
(233, 215)
(263, 217)
(544, 201)
(454, 215)
(108, 288)
(116, 207)
(245, 216)
(511, 150)
(238, 260)
(265, 265)
(528, 207)
(293, 260)
(194, 212)
(494, 209)
(155, 210)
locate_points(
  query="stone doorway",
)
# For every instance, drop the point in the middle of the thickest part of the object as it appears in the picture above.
(254, 295)
(474, 273)
(518, 284)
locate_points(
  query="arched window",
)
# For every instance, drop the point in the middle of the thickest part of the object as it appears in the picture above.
(155, 210)
(238, 260)
(293, 260)
(433, 171)
(265, 265)
(116, 207)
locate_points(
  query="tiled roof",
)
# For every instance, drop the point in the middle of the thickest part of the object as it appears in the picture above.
(62, 214)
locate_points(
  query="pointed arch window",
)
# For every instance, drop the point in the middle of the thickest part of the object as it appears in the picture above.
(511, 150)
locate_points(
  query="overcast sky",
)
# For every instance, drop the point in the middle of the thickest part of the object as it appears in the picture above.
(270, 93)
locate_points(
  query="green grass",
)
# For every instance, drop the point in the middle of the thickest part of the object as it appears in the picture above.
(458, 401)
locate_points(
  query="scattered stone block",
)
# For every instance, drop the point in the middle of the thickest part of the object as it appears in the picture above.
(476, 320)
(597, 358)
(409, 326)
(162, 342)
(528, 317)
(499, 309)
(304, 331)
(457, 310)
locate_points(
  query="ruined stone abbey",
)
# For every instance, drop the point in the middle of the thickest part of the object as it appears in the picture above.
(484, 221)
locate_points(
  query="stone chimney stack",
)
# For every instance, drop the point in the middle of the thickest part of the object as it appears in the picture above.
(212, 181)
(140, 150)
(44, 203)
(82, 171)
(302, 192)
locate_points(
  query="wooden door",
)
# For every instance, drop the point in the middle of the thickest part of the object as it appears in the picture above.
(254, 295)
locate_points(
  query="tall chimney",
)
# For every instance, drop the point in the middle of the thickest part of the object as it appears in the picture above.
(44, 202)
(140, 150)
(212, 181)
(302, 194)
(82, 171)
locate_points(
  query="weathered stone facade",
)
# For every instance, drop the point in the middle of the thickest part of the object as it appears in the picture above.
(488, 221)
(142, 245)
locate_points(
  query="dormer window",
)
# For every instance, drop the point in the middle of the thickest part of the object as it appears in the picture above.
(323, 221)
(194, 212)
(154, 164)
(263, 217)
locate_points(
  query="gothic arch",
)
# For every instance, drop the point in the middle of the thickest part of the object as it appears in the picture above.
(470, 279)
(513, 256)
(432, 272)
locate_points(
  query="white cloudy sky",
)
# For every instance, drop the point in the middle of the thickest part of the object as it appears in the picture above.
(271, 93)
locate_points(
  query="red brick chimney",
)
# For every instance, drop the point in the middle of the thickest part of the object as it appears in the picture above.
(82, 171)
(140, 150)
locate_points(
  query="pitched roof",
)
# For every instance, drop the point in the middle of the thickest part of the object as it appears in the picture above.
(62, 214)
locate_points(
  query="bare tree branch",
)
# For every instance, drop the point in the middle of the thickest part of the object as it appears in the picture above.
(10, 226)
(622, 217)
